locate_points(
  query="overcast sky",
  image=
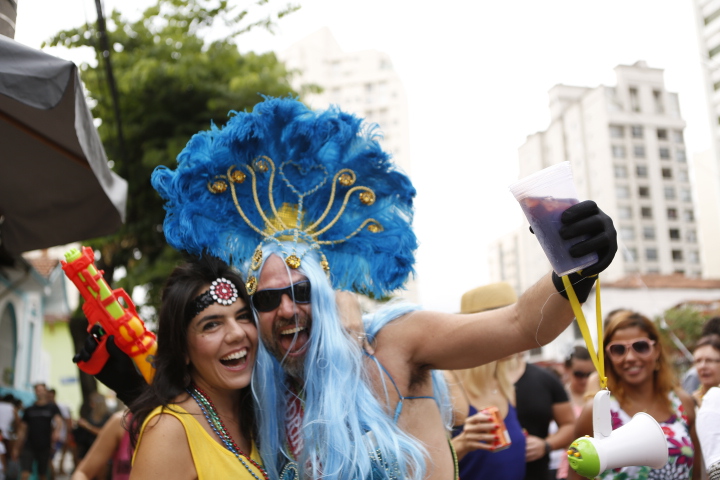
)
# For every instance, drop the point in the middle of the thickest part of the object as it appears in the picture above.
(477, 75)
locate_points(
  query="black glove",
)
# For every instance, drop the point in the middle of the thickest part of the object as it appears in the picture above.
(585, 218)
(119, 372)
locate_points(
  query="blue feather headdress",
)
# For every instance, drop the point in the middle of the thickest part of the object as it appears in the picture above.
(284, 173)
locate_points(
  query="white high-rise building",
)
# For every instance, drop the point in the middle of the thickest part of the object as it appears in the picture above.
(8, 14)
(627, 151)
(707, 165)
(363, 83)
(626, 148)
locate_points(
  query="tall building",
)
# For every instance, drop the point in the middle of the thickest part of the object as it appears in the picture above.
(8, 14)
(707, 164)
(363, 83)
(626, 148)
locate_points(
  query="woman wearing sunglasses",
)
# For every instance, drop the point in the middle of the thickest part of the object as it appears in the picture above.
(640, 379)
(196, 420)
(706, 358)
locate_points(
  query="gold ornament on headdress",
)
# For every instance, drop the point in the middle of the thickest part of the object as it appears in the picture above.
(288, 222)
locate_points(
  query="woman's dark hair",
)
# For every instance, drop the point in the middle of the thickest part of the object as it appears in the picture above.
(712, 339)
(711, 326)
(578, 353)
(172, 375)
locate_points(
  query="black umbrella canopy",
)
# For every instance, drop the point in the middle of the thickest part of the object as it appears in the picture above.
(55, 183)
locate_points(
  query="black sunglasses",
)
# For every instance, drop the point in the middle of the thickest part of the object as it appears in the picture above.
(580, 375)
(269, 299)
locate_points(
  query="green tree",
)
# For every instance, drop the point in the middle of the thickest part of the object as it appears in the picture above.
(171, 83)
(686, 323)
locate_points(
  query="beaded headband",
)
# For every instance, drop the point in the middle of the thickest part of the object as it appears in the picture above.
(221, 291)
(308, 181)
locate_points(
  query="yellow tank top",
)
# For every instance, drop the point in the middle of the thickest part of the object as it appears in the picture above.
(212, 460)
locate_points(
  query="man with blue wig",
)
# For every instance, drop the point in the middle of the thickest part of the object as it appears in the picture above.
(307, 204)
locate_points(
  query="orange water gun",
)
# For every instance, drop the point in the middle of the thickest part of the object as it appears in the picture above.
(102, 306)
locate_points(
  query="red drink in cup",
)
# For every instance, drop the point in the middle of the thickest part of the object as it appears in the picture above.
(544, 196)
(544, 217)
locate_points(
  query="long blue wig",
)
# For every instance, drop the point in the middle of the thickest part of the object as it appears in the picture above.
(340, 407)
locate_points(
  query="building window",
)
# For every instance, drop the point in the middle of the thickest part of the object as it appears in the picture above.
(680, 155)
(685, 195)
(621, 171)
(674, 233)
(669, 193)
(662, 134)
(646, 212)
(682, 175)
(617, 131)
(639, 151)
(641, 171)
(667, 172)
(649, 233)
(622, 191)
(624, 213)
(631, 254)
(672, 214)
(634, 100)
(678, 136)
(637, 131)
(677, 255)
(651, 254)
(693, 256)
(665, 153)
(618, 151)
(691, 236)
(658, 101)
(689, 215)
(644, 192)
(627, 233)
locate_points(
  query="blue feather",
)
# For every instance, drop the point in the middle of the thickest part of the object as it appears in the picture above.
(311, 147)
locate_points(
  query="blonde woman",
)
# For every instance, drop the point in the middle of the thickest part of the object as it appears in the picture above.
(474, 432)
(706, 358)
(484, 386)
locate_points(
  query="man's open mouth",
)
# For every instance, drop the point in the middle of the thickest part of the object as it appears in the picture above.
(294, 339)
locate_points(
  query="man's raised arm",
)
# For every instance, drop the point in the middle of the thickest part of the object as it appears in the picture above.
(455, 341)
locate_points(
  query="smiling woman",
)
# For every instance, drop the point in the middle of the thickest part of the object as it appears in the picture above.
(198, 410)
(706, 358)
(641, 380)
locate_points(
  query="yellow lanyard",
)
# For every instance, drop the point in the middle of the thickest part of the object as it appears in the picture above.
(597, 358)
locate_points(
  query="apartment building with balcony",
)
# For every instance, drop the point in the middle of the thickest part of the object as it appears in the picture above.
(707, 164)
(626, 146)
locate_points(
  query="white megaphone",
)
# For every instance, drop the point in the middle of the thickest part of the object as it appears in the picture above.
(639, 442)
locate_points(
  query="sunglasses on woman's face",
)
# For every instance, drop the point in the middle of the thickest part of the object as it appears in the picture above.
(269, 299)
(642, 347)
(581, 375)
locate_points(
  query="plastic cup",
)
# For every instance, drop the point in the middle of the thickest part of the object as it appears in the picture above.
(544, 196)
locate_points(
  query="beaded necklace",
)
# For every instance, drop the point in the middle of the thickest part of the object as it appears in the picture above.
(212, 417)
